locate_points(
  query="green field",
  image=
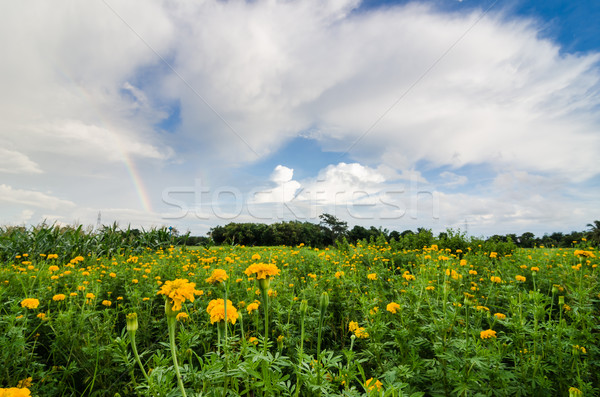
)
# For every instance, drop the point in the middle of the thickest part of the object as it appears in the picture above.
(357, 320)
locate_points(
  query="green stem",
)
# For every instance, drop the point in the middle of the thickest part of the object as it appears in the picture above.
(171, 322)
(136, 355)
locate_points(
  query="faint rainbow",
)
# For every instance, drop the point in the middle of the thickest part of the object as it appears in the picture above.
(132, 171)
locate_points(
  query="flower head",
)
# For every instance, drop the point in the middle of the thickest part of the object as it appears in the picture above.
(252, 307)
(262, 270)
(15, 392)
(392, 307)
(216, 310)
(178, 291)
(490, 333)
(30, 303)
(182, 316)
(372, 276)
(371, 384)
(217, 276)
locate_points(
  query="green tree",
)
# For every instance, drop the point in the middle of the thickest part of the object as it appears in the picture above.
(336, 228)
(593, 235)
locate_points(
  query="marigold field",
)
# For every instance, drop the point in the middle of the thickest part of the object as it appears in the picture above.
(365, 320)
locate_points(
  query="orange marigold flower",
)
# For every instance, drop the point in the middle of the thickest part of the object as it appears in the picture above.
(496, 279)
(500, 316)
(521, 278)
(372, 276)
(59, 297)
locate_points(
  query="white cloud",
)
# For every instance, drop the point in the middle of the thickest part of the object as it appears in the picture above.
(13, 162)
(452, 179)
(83, 91)
(284, 191)
(32, 198)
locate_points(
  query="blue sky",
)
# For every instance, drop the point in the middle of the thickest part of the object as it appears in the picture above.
(400, 114)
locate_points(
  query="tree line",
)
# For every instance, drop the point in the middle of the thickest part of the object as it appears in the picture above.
(331, 230)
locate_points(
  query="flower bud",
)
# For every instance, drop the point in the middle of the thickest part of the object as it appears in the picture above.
(264, 283)
(561, 300)
(132, 322)
(324, 302)
(303, 307)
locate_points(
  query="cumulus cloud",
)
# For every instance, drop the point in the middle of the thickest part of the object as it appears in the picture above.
(86, 88)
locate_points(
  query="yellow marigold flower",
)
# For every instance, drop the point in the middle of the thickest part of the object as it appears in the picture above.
(361, 333)
(584, 254)
(41, 316)
(430, 288)
(52, 256)
(408, 277)
(72, 294)
(24, 383)
(217, 276)
(216, 310)
(53, 268)
(30, 303)
(353, 326)
(339, 274)
(493, 254)
(15, 392)
(262, 270)
(253, 340)
(59, 297)
(496, 279)
(372, 276)
(89, 295)
(473, 272)
(520, 278)
(182, 316)
(371, 385)
(113, 275)
(255, 257)
(252, 307)
(535, 269)
(392, 307)
(490, 333)
(178, 291)
(500, 316)
(106, 303)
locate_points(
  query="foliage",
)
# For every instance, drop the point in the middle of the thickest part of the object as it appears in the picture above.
(464, 321)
